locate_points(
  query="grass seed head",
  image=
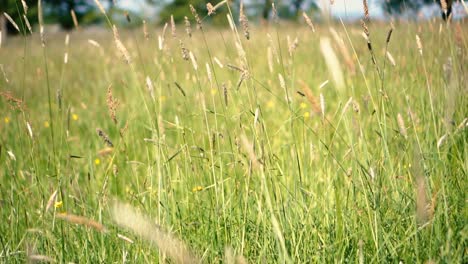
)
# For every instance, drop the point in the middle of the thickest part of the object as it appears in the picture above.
(81, 220)
(188, 27)
(243, 20)
(104, 137)
(173, 27)
(197, 18)
(11, 21)
(308, 21)
(128, 217)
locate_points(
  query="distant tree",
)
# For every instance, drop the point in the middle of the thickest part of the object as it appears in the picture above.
(400, 6)
(58, 11)
(180, 8)
(16, 11)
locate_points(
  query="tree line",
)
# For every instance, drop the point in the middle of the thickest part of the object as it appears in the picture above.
(86, 11)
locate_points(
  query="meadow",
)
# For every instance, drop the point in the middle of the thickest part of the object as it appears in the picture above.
(296, 145)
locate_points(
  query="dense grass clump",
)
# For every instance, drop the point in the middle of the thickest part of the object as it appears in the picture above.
(288, 143)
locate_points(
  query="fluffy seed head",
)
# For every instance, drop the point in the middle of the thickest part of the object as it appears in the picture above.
(75, 20)
(197, 18)
(11, 21)
(308, 21)
(173, 27)
(188, 27)
(244, 21)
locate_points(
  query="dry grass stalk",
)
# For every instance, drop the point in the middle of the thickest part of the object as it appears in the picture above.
(127, 16)
(281, 81)
(94, 43)
(105, 151)
(244, 21)
(194, 61)
(120, 46)
(465, 6)
(230, 258)
(161, 129)
(112, 104)
(308, 21)
(11, 21)
(104, 137)
(145, 30)
(292, 46)
(126, 216)
(40, 258)
(81, 220)
(422, 214)
(51, 200)
(389, 35)
(74, 18)
(366, 10)
(231, 22)
(443, 5)
(40, 18)
(197, 18)
(314, 103)
(185, 51)
(210, 9)
(250, 151)
(270, 59)
(419, 44)
(401, 126)
(25, 6)
(332, 62)
(149, 85)
(390, 58)
(173, 27)
(180, 88)
(188, 27)
(209, 74)
(125, 238)
(30, 132)
(28, 25)
(322, 104)
(343, 50)
(15, 103)
(2, 69)
(225, 93)
(123, 130)
(218, 62)
(275, 13)
(100, 6)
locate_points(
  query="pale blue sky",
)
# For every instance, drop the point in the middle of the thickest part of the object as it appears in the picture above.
(339, 8)
(346, 9)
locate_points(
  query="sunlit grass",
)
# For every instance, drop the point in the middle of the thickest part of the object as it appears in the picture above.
(243, 149)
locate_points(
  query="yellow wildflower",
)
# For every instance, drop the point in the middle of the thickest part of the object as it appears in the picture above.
(303, 105)
(97, 161)
(306, 114)
(75, 117)
(7, 120)
(197, 189)
(58, 205)
(270, 104)
(214, 91)
(46, 124)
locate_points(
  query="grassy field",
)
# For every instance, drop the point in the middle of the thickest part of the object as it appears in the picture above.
(293, 146)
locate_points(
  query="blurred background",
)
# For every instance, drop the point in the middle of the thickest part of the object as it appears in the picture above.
(57, 13)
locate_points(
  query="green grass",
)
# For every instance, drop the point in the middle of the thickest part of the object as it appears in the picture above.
(258, 175)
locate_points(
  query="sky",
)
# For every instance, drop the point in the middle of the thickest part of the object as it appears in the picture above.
(340, 8)
(345, 9)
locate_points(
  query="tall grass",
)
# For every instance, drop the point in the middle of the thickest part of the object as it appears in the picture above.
(237, 144)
